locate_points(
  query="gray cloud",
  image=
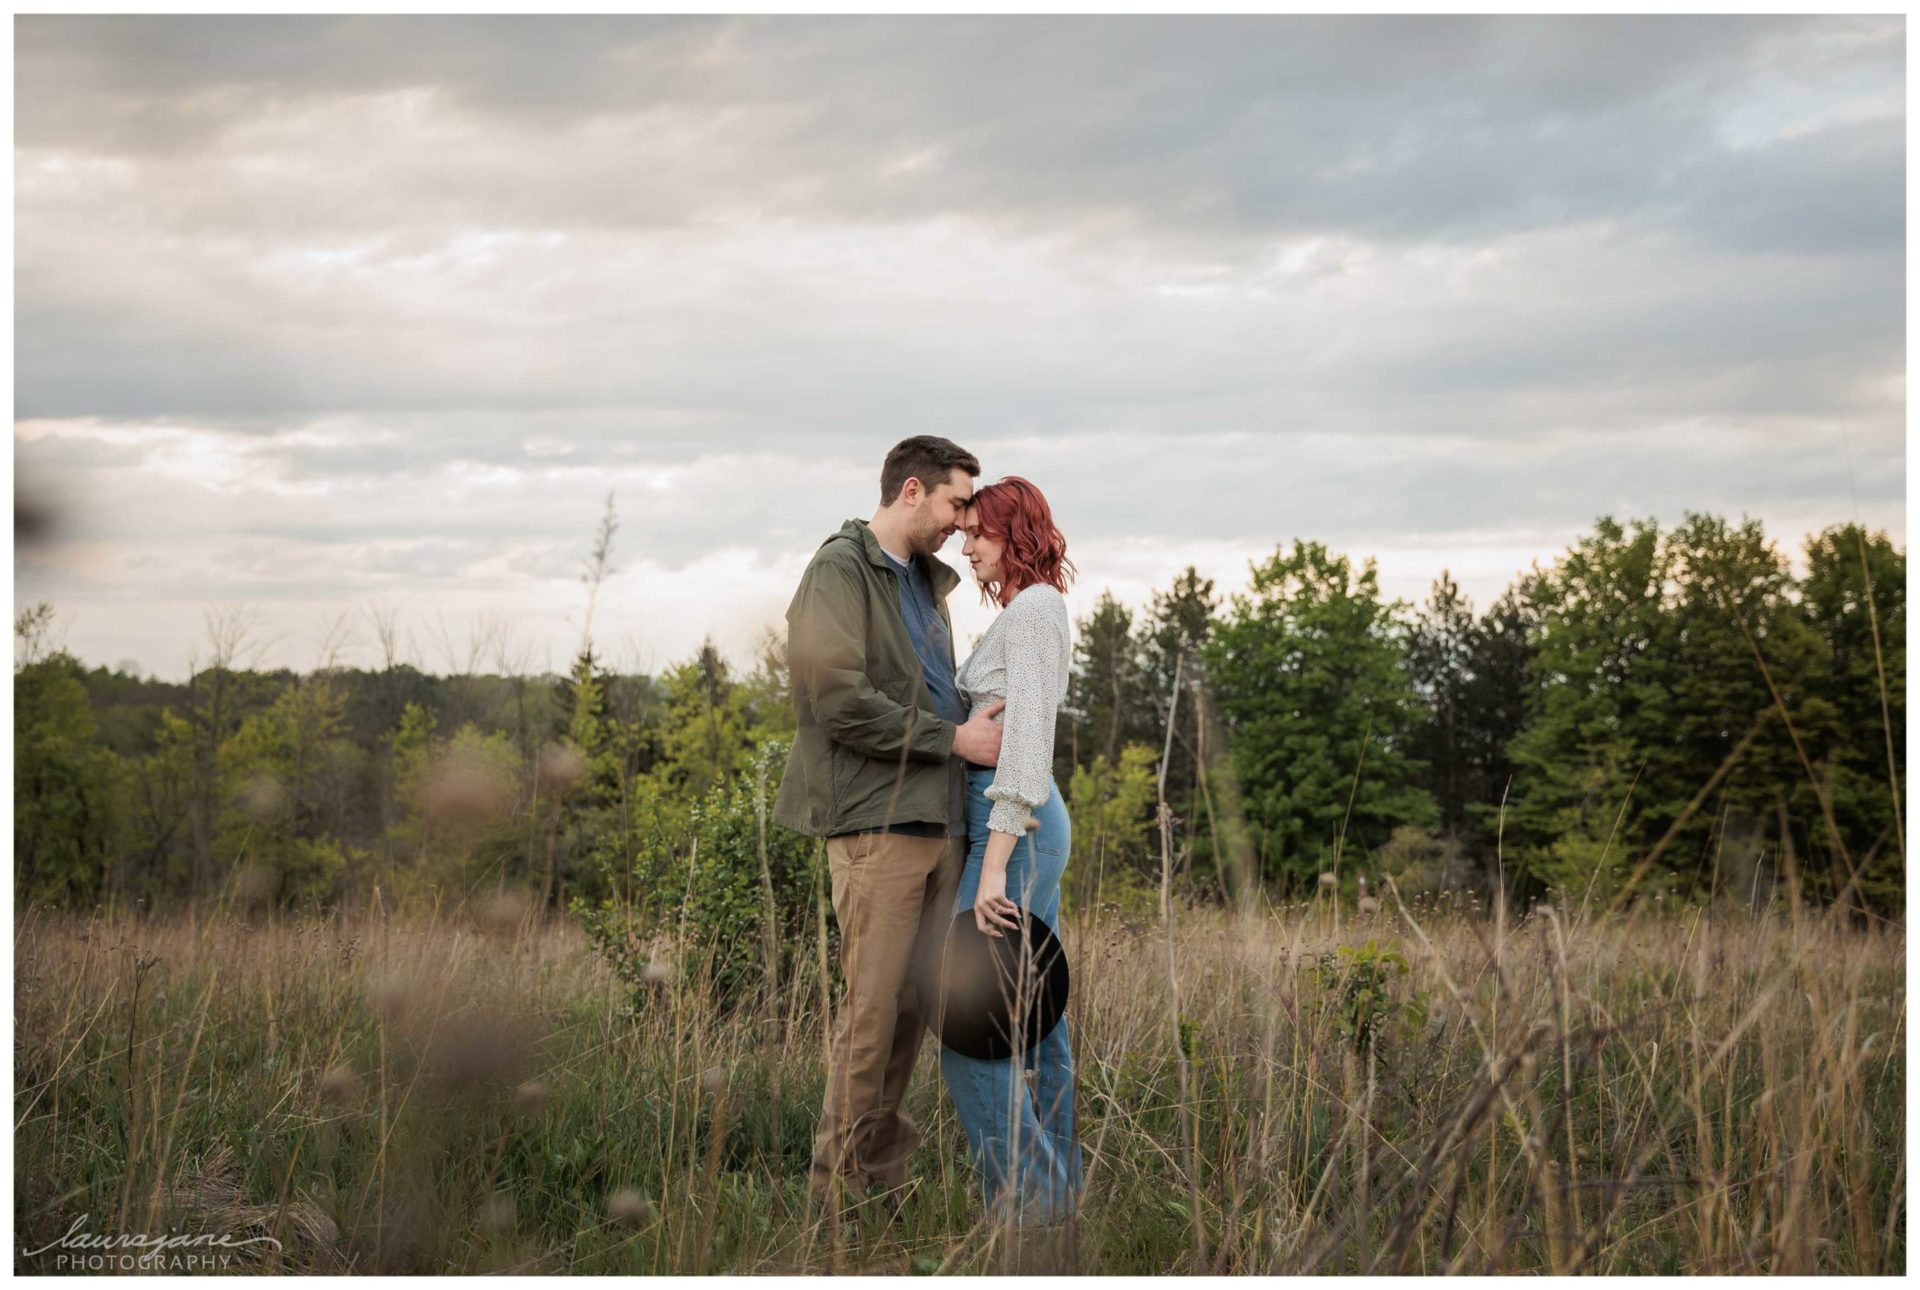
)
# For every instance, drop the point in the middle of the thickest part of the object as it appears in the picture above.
(306, 305)
(1198, 128)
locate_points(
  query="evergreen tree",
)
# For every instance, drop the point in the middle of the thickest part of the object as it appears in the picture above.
(1178, 625)
(1440, 654)
(581, 777)
(1108, 705)
(709, 738)
(589, 729)
(1495, 702)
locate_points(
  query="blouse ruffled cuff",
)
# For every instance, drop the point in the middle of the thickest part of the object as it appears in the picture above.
(1009, 816)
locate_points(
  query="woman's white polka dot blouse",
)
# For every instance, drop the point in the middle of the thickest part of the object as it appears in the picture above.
(1023, 658)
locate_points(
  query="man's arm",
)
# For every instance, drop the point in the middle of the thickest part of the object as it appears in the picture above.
(826, 643)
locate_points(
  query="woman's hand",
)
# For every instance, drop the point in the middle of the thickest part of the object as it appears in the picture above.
(991, 908)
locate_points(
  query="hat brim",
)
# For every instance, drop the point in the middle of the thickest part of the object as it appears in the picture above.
(990, 997)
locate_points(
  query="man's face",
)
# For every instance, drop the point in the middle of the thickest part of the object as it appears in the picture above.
(938, 516)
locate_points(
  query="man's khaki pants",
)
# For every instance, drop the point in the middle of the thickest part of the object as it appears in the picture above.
(891, 893)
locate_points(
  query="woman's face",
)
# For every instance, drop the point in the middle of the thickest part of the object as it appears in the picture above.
(982, 552)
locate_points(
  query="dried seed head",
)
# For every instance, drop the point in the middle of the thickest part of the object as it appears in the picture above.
(631, 1208)
(263, 798)
(257, 884)
(530, 1097)
(340, 1085)
(392, 995)
(478, 1049)
(497, 1215)
(463, 789)
(506, 909)
(560, 768)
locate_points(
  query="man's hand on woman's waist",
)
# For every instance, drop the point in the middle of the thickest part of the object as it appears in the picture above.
(978, 741)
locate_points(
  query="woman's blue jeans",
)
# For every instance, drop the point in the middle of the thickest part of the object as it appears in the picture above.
(1020, 1129)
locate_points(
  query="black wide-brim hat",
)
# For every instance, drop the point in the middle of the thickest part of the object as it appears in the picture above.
(976, 987)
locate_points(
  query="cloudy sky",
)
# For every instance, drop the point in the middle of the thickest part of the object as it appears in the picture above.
(317, 314)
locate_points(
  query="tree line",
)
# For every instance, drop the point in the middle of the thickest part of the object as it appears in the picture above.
(1672, 711)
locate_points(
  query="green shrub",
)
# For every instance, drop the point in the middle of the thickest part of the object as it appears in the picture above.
(731, 897)
(1368, 1002)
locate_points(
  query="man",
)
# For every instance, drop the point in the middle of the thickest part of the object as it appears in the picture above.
(878, 769)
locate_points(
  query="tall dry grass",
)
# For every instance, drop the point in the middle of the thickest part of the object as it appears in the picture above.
(1646, 1092)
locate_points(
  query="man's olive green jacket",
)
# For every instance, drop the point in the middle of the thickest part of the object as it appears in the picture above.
(869, 752)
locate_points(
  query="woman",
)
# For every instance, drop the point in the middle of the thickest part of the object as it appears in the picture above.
(1020, 1133)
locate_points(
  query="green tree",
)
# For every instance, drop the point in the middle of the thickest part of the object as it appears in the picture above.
(278, 831)
(1655, 733)
(1116, 844)
(1495, 701)
(1576, 760)
(709, 728)
(1441, 646)
(1107, 704)
(580, 713)
(1179, 623)
(220, 695)
(159, 799)
(1853, 598)
(769, 691)
(66, 823)
(1728, 610)
(581, 783)
(458, 829)
(1307, 672)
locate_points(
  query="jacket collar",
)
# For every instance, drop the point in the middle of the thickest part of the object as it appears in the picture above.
(940, 573)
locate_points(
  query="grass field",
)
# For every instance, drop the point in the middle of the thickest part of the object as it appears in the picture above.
(1677, 1092)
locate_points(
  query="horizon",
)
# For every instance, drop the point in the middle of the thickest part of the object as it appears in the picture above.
(361, 651)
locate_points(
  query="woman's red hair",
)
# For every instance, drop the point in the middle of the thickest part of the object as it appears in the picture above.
(1013, 511)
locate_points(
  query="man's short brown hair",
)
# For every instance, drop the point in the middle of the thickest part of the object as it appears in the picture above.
(927, 458)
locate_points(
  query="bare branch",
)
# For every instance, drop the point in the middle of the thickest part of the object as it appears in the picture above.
(486, 633)
(441, 637)
(335, 641)
(384, 616)
(512, 651)
(233, 636)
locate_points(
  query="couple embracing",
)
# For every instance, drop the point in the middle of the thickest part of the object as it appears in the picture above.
(933, 786)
